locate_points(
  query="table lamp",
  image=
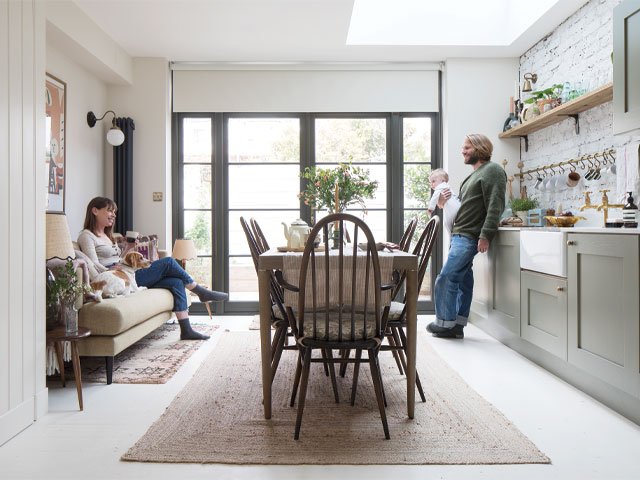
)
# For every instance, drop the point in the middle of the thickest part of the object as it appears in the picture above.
(184, 249)
(58, 238)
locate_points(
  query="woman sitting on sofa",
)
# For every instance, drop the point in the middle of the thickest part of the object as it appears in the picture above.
(96, 241)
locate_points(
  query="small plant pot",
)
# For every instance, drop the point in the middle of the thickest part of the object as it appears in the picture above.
(556, 102)
(522, 215)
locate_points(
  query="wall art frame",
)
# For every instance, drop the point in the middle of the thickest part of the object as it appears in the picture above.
(55, 144)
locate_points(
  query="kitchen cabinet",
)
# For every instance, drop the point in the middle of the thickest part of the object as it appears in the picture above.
(505, 294)
(496, 291)
(543, 311)
(603, 308)
(626, 67)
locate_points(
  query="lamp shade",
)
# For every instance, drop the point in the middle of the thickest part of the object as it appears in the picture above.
(59, 244)
(115, 136)
(184, 249)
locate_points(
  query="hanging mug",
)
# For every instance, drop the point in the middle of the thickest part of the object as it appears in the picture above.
(572, 179)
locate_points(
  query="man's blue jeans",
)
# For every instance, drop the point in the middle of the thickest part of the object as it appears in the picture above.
(166, 273)
(453, 289)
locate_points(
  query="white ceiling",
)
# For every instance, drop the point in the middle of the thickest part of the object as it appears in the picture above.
(281, 31)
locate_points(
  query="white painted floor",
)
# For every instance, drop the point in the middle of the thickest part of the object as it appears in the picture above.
(584, 439)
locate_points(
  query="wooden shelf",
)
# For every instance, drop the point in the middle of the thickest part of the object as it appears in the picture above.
(570, 109)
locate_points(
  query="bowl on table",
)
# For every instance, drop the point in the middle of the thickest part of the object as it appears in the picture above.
(566, 221)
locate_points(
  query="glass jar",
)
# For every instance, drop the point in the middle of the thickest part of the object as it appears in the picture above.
(69, 315)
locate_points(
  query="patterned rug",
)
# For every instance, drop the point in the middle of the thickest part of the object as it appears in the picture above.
(152, 359)
(218, 417)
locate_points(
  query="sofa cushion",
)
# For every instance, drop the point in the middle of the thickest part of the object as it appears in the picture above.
(115, 315)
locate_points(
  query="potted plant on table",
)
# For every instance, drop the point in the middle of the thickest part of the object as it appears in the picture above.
(63, 290)
(521, 206)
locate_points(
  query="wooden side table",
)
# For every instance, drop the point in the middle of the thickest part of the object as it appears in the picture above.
(59, 335)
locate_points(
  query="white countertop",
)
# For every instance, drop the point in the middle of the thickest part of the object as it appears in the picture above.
(617, 231)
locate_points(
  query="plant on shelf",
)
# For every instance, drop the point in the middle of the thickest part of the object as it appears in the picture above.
(351, 185)
(524, 204)
(64, 289)
(549, 96)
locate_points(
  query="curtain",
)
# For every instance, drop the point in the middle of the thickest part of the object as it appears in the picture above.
(123, 177)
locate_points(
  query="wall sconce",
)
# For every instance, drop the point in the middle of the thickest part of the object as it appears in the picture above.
(528, 78)
(115, 136)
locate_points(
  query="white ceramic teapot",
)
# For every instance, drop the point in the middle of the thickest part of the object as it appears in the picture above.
(297, 233)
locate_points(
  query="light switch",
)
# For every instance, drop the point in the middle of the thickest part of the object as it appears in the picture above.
(157, 196)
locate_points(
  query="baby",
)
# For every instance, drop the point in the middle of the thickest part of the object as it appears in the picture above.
(438, 180)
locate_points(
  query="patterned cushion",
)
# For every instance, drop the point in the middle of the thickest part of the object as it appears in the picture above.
(334, 325)
(395, 311)
(147, 245)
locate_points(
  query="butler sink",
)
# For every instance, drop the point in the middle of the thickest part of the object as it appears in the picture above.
(544, 251)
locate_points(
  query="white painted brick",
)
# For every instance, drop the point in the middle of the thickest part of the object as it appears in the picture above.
(578, 49)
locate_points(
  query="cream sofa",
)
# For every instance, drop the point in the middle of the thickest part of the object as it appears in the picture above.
(117, 323)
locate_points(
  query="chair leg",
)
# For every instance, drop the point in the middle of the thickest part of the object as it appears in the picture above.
(343, 367)
(324, 363)
(384, 395)
(403, 338)
(375, 375)
(356, 371)
(303, 391)
(274, 342)
(296, 380)
(393, 341)
(332, 371)
(277, 355)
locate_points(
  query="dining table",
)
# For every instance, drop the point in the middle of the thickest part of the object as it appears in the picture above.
(273, 259)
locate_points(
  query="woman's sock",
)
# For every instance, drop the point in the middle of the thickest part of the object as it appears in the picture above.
(188, 333)
(206, 295)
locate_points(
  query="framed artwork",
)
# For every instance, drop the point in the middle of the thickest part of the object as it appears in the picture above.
(56, 98)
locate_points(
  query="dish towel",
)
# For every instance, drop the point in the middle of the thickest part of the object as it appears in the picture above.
(627, 171)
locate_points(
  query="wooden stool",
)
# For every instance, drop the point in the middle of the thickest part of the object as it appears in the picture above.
(58, 335)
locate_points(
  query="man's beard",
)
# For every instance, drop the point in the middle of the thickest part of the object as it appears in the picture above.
(472, 160)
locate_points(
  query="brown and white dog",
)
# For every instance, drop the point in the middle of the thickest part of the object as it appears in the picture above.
(120, 281)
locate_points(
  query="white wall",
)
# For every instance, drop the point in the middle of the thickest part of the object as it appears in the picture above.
(476, 100)
(578, 49)
(84, 146)
(23, 393)
(147, 101)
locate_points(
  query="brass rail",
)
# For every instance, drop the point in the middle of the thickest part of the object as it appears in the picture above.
(607, 157)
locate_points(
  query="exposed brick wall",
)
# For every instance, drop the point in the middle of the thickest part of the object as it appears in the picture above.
(578, 49)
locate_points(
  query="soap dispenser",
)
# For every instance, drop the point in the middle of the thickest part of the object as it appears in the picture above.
(629, 213)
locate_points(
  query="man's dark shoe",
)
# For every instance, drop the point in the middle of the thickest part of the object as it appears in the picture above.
(457, 331)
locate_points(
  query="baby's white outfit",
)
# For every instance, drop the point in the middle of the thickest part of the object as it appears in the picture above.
(450, 208)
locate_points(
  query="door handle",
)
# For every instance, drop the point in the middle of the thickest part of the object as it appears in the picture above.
(570, 243)
(560, 289)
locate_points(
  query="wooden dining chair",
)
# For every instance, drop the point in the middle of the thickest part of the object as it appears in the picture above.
(279, 320)
(340, 302)
(397, 340)
(407, 236)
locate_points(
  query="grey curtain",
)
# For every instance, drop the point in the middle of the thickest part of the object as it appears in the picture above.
(123, 177)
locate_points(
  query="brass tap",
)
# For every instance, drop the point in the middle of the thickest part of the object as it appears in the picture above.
(587, 202)
(605, 206)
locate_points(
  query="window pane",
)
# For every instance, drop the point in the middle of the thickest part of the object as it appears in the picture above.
(363, 139)
(417, 189)
(270, 224)
(264, 140)
(200, 271)
(417, 139)
(197, 226)
(196, 140)
(268, 186)
(197, 186)
(243, 280)
(423, 219)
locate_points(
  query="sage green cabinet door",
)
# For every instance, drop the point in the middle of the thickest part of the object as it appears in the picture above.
(505, 294)
(626, 67)
(543, 311)
(603, 308)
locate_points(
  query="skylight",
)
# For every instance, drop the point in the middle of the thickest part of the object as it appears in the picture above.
(443, 22)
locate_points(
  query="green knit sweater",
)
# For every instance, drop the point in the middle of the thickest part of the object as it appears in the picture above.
(482, 196)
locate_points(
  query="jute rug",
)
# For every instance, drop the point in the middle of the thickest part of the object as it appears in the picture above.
(154, 358)
(218, 417)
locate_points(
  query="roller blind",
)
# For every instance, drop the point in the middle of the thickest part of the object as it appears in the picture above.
(360, 90)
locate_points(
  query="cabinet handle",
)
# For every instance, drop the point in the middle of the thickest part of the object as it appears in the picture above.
(570, 242)
(560, 289)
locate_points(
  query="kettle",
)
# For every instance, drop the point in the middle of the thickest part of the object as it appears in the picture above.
(297, 233)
